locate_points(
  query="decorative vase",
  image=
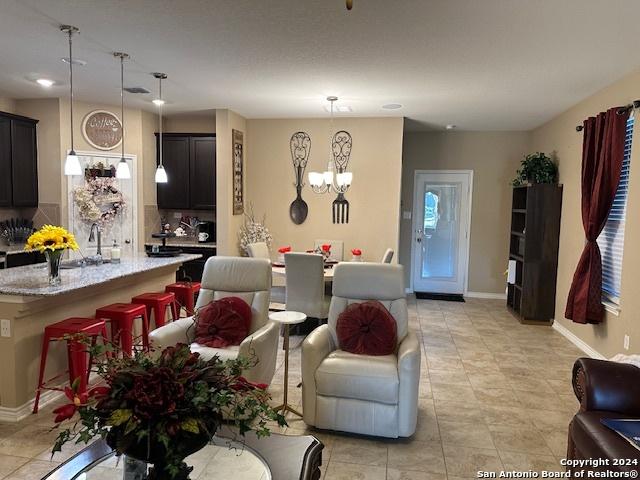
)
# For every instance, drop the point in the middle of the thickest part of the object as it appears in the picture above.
(54, 258)
(168, 462)
(356, 258)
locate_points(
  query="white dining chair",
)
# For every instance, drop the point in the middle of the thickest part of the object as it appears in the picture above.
(337, 248)
(388, 256)
(305, 284)
(259, 250)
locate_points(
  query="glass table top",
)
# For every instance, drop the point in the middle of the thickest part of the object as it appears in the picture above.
(217, 461)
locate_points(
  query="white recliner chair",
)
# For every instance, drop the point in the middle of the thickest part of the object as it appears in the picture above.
(371, 395)
(249, 279)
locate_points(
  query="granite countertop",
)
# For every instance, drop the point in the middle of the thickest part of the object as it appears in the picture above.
(186, 243)
(31, 280)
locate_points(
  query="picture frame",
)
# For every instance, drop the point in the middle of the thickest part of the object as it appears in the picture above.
(238, 171)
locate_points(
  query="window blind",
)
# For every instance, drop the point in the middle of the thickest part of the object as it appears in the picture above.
(611, 240)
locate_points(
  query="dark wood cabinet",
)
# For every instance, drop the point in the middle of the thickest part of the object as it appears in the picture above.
(533, 247)
(5, 162)
(190, 162)
(18, 161)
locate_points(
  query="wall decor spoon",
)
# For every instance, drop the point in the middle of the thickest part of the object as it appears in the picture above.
(300, 145)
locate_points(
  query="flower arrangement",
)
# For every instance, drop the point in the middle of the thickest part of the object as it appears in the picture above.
(284, 250)
(253, 231)
(357, 255)
(99, 200)
(161, 409)
(324, 250)
(52, 241)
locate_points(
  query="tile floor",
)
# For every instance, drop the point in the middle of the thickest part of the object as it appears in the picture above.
(494, 395)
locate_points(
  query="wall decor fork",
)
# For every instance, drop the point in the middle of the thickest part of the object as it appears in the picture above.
(341, 150)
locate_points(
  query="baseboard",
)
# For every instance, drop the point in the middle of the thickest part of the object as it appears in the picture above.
(16, 414)
(494, 296)
(566, 333)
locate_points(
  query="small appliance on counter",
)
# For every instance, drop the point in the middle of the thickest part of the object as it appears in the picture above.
(206, 232)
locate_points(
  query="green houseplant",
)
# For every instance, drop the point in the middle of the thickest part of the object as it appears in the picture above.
(159, 409)
(536, 168)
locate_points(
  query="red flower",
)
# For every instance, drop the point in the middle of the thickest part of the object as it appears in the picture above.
(284, 249)
(357, 252)
(243, 384)
(326, 247)
(67, 411)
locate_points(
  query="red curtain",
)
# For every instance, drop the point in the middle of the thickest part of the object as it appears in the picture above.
(602, 155)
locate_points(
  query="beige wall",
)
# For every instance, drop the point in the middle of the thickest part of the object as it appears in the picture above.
(559, 136)
(201, 122)
(228, 224)
(494, 158)
(374, 196)
(7, 104)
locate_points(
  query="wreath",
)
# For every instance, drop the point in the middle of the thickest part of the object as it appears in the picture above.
(99, 200)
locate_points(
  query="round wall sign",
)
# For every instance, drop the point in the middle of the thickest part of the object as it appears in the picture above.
(102, 130)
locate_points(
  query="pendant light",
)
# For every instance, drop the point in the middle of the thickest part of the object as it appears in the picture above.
(161, 173)
(122, 170)
(71, 163)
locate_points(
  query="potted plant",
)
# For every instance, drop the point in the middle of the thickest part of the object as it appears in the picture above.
(159, 409)
(536, 168)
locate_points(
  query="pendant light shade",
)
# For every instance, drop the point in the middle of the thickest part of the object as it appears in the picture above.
(122, 170)
(161, 173)
(71, 163)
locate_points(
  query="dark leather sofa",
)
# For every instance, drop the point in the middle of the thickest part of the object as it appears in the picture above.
(605, 390)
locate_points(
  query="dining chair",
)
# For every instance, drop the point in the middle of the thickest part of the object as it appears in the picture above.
(305, 284)
(337, 248)
(388, 256)
(259, 250)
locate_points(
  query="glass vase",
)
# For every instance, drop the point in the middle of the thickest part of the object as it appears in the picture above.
(53, 262)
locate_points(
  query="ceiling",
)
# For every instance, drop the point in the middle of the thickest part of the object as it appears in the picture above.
(478, 64)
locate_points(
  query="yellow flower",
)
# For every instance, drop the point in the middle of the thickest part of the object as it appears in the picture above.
(50, 237)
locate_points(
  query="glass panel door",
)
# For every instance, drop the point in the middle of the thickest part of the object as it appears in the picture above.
(440, 236)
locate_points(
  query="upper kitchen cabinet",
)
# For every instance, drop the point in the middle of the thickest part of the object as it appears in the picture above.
(190, 163)
(18, 161)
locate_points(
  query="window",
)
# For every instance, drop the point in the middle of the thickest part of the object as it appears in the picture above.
(611, 240)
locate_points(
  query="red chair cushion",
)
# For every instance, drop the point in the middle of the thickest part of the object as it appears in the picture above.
(367, 328)
(223, 322)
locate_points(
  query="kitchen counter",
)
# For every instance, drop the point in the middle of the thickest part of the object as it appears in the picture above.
(28, 305)
(175, 242)
(31, 280)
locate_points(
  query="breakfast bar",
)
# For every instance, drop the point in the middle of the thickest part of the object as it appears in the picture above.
(28, 304)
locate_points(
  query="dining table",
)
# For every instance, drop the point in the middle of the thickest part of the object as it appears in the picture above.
(279, 270)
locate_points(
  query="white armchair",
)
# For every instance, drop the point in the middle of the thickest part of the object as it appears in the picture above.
(371, 395)
(249, 279)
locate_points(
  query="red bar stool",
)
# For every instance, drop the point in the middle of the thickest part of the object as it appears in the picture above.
(185, 293)
(79, 358)
(121, 316)
(157, 304)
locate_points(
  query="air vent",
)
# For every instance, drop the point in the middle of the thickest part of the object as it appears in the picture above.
(141, 90)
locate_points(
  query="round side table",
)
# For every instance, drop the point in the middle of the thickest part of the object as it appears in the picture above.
(287, 318)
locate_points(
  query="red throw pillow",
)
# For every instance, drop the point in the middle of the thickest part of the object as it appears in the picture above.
(367, 328)
(223, 322)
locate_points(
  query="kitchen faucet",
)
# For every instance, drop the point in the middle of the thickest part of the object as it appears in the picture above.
(96, 231)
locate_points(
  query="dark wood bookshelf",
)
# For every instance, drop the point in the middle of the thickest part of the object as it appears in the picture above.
(533, 244)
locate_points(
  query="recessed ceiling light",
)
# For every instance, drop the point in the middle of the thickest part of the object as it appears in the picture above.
(392, 106)
(451, 127)
(75, 61)
(158, 101)
(45, 82)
